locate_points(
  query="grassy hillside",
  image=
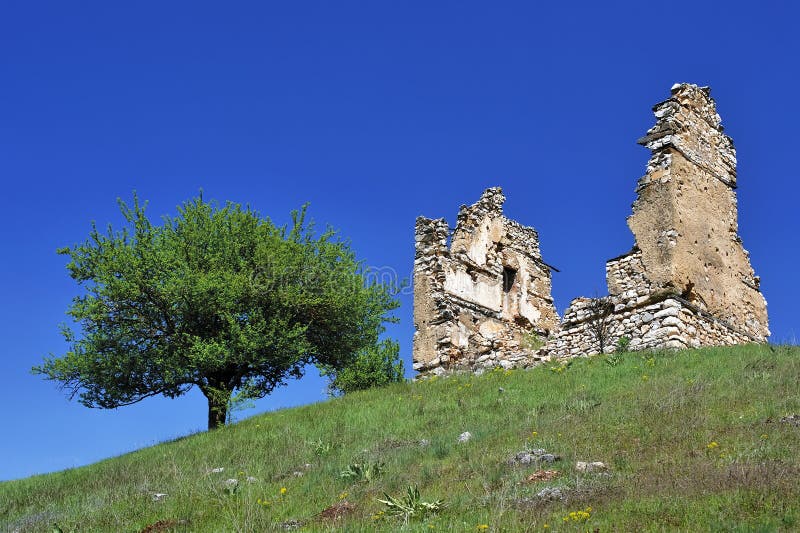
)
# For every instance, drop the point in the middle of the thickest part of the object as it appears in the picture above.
(691, 441)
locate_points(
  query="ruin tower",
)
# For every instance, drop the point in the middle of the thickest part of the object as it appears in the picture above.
(479, 302)
(687, 282)
(685, 218)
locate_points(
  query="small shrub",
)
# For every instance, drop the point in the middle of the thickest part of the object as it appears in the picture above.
(411, 505)
(623, 344)
(322, 448)
(558, 368)
(579, 516)
(362, 472)
(376, 366)
(231, 487)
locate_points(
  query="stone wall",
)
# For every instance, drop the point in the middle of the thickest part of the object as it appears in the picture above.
(687, 282)
(476, 300)
(658, 322)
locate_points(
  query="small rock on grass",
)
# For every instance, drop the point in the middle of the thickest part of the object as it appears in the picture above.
(465, 437)
(590, 467)
(791, 419)
(550, 494)
(534, 456)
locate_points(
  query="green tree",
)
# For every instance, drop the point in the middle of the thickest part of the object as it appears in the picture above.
(216, 297)
(375, 366)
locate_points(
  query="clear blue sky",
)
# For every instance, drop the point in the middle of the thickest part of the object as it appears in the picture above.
(375, 112)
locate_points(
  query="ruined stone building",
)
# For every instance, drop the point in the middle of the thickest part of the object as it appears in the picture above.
(687, 281)
(477, 301)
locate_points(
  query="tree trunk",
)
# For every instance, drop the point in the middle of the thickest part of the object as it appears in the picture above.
(217, 407)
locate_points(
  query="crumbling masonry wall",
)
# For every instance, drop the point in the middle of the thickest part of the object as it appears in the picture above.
(687, 282)
(476, 301)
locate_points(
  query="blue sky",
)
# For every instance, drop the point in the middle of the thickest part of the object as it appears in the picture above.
(374, 112)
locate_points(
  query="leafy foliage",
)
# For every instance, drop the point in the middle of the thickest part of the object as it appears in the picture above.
(374, 366)
(362, 472)
(623, 344)
(217, 298)
(322, 448)
(613, 359)
(411, 505)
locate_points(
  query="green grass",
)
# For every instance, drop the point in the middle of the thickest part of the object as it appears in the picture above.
(652, 419)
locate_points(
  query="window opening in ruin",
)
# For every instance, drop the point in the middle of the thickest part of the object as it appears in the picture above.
(509, 275)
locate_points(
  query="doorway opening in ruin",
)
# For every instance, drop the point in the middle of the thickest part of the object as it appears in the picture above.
(509, 275)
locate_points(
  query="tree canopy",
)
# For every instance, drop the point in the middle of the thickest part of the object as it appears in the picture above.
(216, 297)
